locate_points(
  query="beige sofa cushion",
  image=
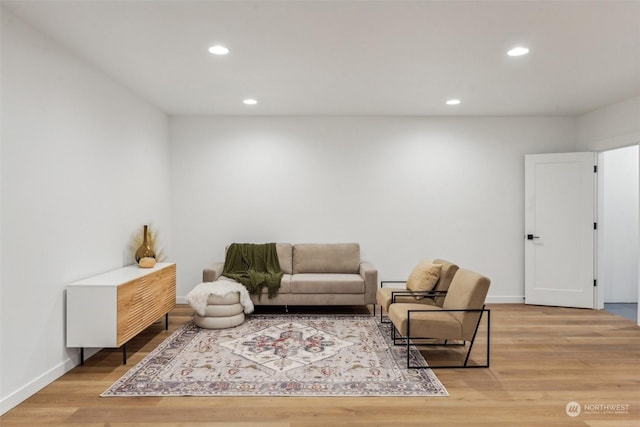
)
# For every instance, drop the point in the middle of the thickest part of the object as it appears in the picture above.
(285, 256)
(326, 258)
(327, 283)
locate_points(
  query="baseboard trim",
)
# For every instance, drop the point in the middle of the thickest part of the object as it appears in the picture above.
(23, 393)
(18, 396)
(505, 300)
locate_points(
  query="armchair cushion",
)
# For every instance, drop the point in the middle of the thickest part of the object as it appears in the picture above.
(424, 277)
(430, 322)
(449, 270)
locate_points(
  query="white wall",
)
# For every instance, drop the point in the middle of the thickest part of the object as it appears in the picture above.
(404, 188)
(618, 222)
(84, 165)
(608, 128)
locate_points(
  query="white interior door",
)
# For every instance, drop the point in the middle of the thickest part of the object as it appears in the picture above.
(559, 226)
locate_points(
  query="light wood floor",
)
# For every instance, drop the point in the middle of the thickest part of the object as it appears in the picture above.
(542, 359)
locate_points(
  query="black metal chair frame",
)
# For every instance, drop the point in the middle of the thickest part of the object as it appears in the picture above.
(404, 292)
(409, 339)
(382, 286)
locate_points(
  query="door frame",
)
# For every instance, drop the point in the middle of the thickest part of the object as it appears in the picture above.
(600, 289)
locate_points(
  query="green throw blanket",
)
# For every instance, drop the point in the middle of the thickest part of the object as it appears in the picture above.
(255, 266)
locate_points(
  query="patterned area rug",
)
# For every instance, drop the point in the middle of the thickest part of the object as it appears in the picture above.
(281, 355)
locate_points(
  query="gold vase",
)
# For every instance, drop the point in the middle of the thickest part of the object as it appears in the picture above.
(144, 251)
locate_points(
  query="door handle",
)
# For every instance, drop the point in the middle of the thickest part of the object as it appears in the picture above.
(531, 237)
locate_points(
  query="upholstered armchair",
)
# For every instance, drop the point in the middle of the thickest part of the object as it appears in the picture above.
(425, 285)
(458, 319)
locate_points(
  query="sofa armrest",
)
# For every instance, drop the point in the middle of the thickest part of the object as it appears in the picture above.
(213, 272)
(370, 276)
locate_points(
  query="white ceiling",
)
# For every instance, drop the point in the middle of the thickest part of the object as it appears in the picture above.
(356, 57)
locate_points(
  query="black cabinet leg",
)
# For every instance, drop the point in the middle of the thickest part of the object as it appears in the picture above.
(124, 354)
(81, 355)
(166, 321)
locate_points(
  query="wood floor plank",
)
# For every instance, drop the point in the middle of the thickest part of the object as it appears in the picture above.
(542, 359)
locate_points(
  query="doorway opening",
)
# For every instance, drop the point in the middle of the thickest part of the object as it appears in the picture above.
(618, 231)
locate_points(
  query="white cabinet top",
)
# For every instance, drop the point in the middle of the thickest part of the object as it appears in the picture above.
(120, 276)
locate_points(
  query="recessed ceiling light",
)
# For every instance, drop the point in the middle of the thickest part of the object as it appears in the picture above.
(250, 101)
(218, 50)
(518, 51)
(453, 102)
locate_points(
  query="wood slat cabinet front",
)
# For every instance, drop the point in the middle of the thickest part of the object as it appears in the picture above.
(143, 301)
(110, 309)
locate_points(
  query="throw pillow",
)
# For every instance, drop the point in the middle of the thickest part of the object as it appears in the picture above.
(424, 277)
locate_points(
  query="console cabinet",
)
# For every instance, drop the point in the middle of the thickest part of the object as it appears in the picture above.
(109, 309)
